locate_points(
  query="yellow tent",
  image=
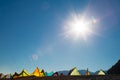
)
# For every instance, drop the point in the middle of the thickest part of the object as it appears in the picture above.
(87, 72)
(101, 72)
(38, 73)
(74, 72)
(43, 72)
(23, 73)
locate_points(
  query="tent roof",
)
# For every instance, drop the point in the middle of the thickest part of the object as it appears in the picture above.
(101, 72)
(87, 72)
(55, 74)
(38, 72)
(8, 76)
(23, 73)
(1, 75)
(74, 71)
(49, 74)
(15, 75)
(43, 72)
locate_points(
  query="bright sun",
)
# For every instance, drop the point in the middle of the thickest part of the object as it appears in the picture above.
(78, 27)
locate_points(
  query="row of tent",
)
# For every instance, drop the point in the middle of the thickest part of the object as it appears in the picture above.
(75, 72)
(41, 73)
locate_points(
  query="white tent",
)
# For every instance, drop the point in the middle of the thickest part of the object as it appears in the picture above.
(101, 72)
(74, 72)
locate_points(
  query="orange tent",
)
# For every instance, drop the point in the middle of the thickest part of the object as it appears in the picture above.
(38, 73)
(87, 72)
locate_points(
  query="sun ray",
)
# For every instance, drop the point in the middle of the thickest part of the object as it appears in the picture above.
(79, 27)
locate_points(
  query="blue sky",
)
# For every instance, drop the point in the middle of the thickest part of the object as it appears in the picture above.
(31, 35)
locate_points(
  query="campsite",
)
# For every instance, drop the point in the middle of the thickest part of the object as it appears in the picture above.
(73, 74)
(59, 39)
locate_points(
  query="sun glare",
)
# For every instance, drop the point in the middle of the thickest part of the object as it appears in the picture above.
(79, 27)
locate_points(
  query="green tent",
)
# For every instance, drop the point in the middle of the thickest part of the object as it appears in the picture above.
(74, 72)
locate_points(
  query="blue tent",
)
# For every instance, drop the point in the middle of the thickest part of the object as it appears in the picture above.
(49, 74)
